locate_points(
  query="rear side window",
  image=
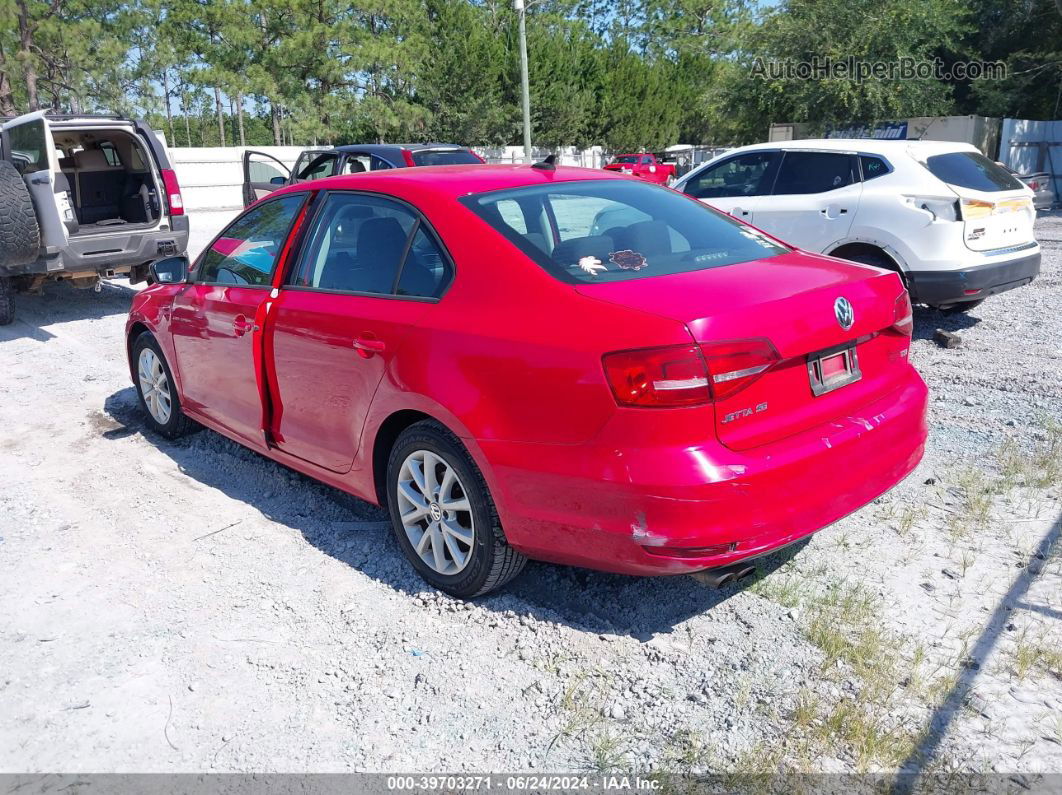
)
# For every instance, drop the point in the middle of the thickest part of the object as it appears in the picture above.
(369, 244)
(873, 167)
(449, 157)
(814, 172)
(614, 230)
(972, 170)
(743, 175)
(110, 153)
(246, 253)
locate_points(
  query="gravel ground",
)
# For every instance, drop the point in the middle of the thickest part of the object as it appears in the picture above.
(192, 606)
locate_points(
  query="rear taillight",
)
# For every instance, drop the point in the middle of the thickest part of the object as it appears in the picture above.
(735, 364)
(687, 375)
(658, 377)
(173, 192)
(972, 209)
(903, 315)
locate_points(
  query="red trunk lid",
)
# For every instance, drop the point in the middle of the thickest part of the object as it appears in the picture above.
(788, 300)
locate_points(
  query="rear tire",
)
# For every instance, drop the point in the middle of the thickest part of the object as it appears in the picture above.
(20, 235)
(961, 308)
(463, 550)
(157, 391)
(7, 301)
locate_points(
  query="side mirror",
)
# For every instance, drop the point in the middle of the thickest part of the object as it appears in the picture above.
(278, 181)
(171, 270)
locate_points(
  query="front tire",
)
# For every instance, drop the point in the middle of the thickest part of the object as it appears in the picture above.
(443, 516)
(157, 391)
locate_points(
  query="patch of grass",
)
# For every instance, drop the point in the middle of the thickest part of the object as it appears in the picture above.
(977, 493)
(871, 740)
(608, 753)
(1039, 468)
(1036, 656)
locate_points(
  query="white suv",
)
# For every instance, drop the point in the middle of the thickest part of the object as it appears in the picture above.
(956, 226)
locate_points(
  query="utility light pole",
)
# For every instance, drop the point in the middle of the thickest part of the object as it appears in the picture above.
(525, 87)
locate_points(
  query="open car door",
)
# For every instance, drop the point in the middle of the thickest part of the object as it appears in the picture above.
(29, 147)
(262, 174)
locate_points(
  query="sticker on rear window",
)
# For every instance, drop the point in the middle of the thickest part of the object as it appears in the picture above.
(592, 265)
(628, 260)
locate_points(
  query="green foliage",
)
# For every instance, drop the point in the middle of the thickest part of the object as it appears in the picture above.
(628, 74)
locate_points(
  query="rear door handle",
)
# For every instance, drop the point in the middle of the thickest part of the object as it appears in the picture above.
(242, 325)
(367, 346)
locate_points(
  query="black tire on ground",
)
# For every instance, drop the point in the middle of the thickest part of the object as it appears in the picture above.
(7, 301)
(960, 308)
(493, 562)
(177, 424)
(20, 236)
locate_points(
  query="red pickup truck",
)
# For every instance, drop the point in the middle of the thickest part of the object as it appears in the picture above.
(643, 165)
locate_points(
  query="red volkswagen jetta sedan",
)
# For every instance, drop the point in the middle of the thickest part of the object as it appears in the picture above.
(528, 362)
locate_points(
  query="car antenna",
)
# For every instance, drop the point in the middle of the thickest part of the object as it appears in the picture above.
(549, 164)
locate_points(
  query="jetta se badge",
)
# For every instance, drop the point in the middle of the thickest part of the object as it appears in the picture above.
(842, 309)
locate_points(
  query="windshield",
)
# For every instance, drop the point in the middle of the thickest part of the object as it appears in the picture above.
(444, 157)
(972, 170)
(607, 231)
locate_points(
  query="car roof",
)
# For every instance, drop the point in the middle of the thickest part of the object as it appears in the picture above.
(871, 145)
(454, 181)
(382, 147)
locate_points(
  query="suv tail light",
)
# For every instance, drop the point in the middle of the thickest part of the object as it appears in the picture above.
(173, 192)
(660, 377)
(973, 209)
(903, 315)
(687, 375)
(735, 364)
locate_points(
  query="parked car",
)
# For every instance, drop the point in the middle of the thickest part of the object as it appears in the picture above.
(83, 198)
(674, 394)
(263, 173)
(644, 166)
(955, 225)
(1040, 184)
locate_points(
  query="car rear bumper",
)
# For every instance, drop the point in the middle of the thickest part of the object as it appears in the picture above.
(939, 288)
(685, 508)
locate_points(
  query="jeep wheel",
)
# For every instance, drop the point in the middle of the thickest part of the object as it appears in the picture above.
(20, 236)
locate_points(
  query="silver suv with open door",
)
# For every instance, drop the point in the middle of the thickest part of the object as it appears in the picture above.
(83, 198)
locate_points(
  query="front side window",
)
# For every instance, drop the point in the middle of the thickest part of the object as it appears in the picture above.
(369, 244)
(972, 170)
(246, 253)
(743, 175)
(614, 230)
(315, 166)
(814, 172)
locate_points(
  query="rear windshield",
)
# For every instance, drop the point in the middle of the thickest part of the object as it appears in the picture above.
(972, 170)
(610, 231)
(449, 157)
(626, 159)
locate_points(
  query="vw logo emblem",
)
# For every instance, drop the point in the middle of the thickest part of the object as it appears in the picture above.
(842, 309)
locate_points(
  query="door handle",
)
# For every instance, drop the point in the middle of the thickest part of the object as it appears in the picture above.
(367, 346)
(242, 325)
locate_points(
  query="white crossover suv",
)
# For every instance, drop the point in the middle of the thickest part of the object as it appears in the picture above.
(956, 226)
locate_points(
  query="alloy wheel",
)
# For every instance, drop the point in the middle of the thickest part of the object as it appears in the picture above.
(154, 386)
(435, 512)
